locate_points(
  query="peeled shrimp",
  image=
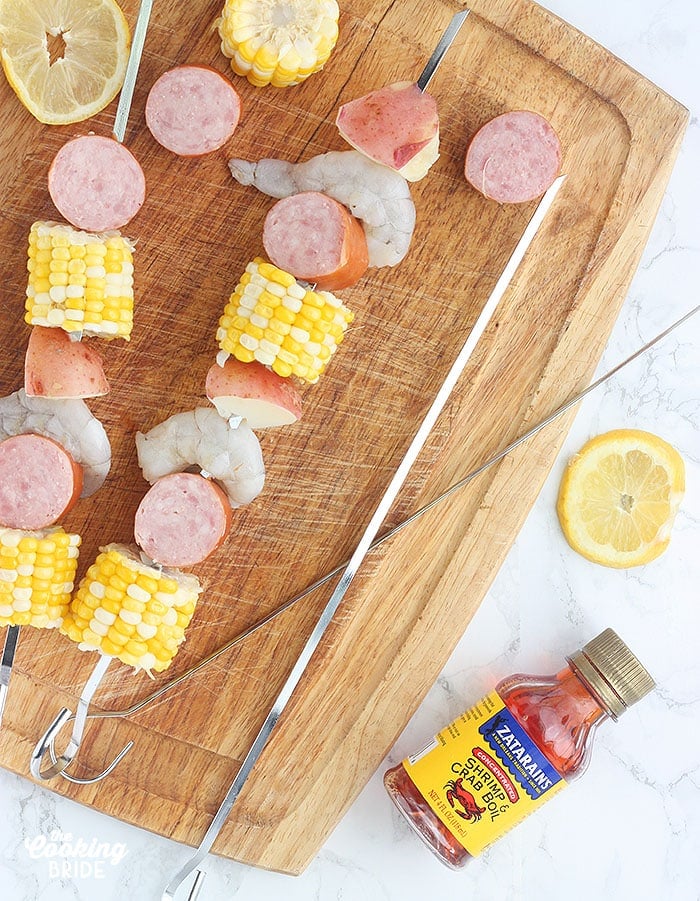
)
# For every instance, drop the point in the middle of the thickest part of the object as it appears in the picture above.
(377, 196)
(67, 421)
(230, 455)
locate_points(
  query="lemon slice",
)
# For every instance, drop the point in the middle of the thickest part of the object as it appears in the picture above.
(65, 59)
(619, 497)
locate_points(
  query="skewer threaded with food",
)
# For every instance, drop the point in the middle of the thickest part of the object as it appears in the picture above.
(272, 318)
(37, 569)
(79, 281)
(131, 610)
(278, 42)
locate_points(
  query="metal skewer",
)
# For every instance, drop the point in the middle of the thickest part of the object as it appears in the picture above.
(46, 742)
(365, 542)
(132, 70)
(385, 536)
(441, 49)
(8, 656)
(120, 123)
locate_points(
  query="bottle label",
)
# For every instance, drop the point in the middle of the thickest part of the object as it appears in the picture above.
(483, 774)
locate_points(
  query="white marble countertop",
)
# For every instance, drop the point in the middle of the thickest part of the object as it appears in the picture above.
(630, 829)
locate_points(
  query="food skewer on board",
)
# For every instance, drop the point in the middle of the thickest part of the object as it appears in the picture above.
(79, 283)
(297, 339)
(364, 544)
(52, 452)
(398, 125)
(142, 704)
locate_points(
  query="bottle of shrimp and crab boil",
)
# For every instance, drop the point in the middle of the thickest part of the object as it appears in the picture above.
(514, 749)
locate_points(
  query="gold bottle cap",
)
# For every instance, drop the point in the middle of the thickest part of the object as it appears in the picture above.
(612, 671)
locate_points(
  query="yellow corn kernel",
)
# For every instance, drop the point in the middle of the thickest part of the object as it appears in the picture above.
(278, 42)
(296, 335)
(115, 637)
(123, 627)
(73, 275)
(139, 629)
(148, 584)
(37, 570)
(109, 647)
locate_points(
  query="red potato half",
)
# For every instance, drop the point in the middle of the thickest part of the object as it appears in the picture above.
(182, 519)
(96, 183)
(254, 392)
(192, 110)
(513, 158)
(315, 238)
(398, 126)
(39, 482)
(55, 366)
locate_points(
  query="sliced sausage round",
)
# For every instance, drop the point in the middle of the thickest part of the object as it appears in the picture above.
(39, 482)
(315, 238)
(96, 183)
(514, 158)
(182, 519)
(192, 110)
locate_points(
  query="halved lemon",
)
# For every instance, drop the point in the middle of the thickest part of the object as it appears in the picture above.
(65, 59)
(619, 497)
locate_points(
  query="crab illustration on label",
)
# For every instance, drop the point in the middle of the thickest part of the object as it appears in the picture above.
(457, 792)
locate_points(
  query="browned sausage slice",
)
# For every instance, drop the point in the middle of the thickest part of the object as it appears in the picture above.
(316, 239)
(514, 157)
(182, 519)
(96, 183)
(192, 110)
(39, 482)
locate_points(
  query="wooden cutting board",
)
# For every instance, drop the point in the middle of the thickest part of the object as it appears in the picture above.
(416, 595)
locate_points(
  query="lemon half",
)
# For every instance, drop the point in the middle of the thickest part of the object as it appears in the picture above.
(85, 73)
(619, 497)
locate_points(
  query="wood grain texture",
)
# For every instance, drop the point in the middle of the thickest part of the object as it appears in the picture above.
(416, 595)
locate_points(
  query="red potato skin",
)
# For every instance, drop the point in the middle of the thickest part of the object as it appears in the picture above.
(55, 366)
(254, 381)
(158, 546)
(351, 256)
(390, 125)
(235, 125)
(14, 452)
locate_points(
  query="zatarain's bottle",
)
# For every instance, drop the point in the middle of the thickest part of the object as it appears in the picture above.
(514, 750)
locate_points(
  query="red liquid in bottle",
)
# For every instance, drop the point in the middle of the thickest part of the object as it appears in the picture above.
(558, 714)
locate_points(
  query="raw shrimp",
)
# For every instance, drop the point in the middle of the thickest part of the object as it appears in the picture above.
(374, 194)
(69, 422)
(230, 455)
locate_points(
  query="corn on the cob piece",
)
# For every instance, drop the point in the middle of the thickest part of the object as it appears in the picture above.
(278, 42)
(131, 610)
(37, 570)
(79, 281)
(272, 318)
